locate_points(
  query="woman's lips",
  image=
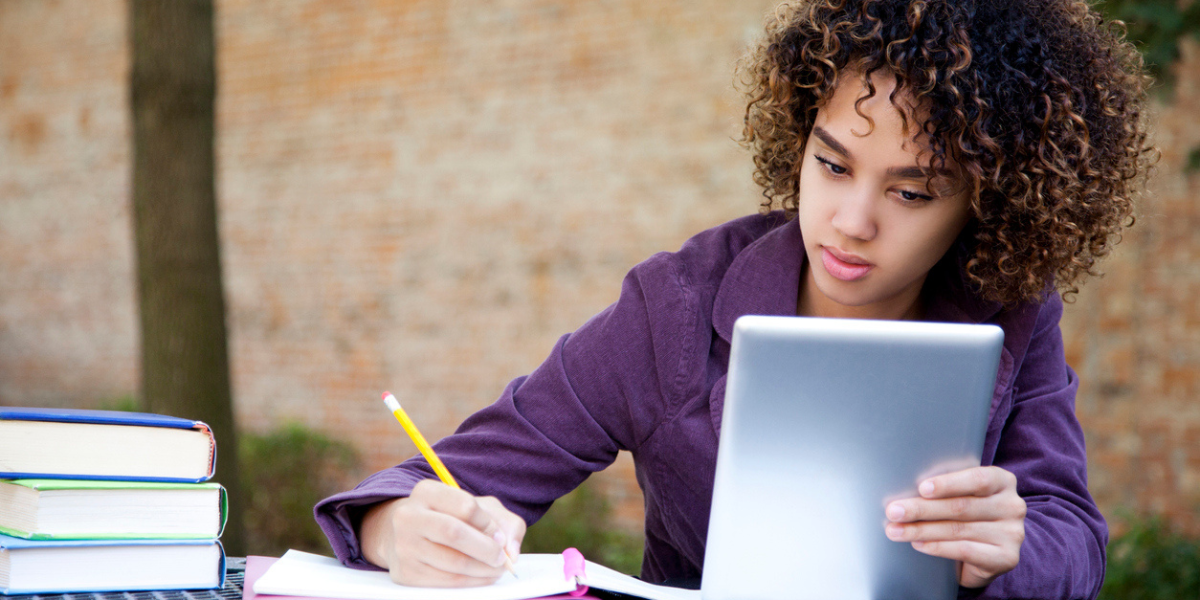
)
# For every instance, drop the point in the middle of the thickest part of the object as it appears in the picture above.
(845, 267)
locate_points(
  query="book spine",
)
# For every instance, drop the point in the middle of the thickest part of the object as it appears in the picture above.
(220, 565)
(224, 511)
(212, 449)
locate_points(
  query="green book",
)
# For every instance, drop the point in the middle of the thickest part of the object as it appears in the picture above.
(74, 509)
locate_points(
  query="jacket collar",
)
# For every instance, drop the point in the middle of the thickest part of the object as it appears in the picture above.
(764, 279)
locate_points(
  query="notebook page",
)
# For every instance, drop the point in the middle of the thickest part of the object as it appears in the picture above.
(303, 574)
(604, 578)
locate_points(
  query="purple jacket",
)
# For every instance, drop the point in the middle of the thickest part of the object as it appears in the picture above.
(647, 375)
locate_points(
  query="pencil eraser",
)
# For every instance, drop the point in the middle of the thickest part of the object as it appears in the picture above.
(391, 402)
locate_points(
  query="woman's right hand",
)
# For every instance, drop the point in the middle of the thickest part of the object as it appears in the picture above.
(441, 536)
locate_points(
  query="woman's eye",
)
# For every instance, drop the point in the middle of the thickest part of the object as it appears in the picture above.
(834, 168)
(909, 196)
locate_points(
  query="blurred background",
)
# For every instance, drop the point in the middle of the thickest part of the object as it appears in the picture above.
(423, 195)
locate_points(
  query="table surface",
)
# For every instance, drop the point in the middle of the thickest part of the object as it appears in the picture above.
(235, 572)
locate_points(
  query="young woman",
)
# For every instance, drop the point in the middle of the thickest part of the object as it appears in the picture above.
(943, 160)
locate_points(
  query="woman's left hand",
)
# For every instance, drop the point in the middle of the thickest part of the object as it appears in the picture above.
(974, 516)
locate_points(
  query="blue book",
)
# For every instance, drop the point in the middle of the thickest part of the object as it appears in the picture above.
(55, 443)
(53, 567)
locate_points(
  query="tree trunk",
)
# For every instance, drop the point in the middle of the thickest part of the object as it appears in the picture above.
(185, 363)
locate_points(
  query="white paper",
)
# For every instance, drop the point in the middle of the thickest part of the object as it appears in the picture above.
(303, 574)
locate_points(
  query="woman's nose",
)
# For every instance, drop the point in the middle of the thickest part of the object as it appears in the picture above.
(854, 216)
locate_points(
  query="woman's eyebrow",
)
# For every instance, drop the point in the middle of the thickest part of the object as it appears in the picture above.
(830, 141)
(911, 172)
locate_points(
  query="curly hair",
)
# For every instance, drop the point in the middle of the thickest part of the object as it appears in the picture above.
(1038, 104)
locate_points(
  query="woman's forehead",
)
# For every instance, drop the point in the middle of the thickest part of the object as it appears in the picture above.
(857, 96)
(854, 109)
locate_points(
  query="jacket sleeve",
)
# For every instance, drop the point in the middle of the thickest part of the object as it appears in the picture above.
(600, 391)
(1042, 444)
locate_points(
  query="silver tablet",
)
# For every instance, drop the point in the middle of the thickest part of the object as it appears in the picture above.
(825, 422)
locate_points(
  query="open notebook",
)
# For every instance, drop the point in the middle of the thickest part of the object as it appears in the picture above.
(303, 574)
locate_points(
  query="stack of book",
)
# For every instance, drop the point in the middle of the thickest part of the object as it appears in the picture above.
(98, 501)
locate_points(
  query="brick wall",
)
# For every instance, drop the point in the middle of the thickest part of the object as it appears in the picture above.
(67, 304)
(423, 196)
(1134, 335)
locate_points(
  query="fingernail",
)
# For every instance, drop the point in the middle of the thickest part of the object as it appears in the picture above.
(895, 512)
(918, 545)
(499, 537)
(514, 550)
(894, 532)
(926, 488)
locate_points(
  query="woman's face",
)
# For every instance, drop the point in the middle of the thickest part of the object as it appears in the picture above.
(872, 225)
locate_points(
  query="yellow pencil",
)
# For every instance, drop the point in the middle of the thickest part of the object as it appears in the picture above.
(427, 451)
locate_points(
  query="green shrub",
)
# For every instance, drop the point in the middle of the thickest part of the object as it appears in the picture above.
(582, 519)
(1156, 28)
(1151, 562)
(284, 473)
